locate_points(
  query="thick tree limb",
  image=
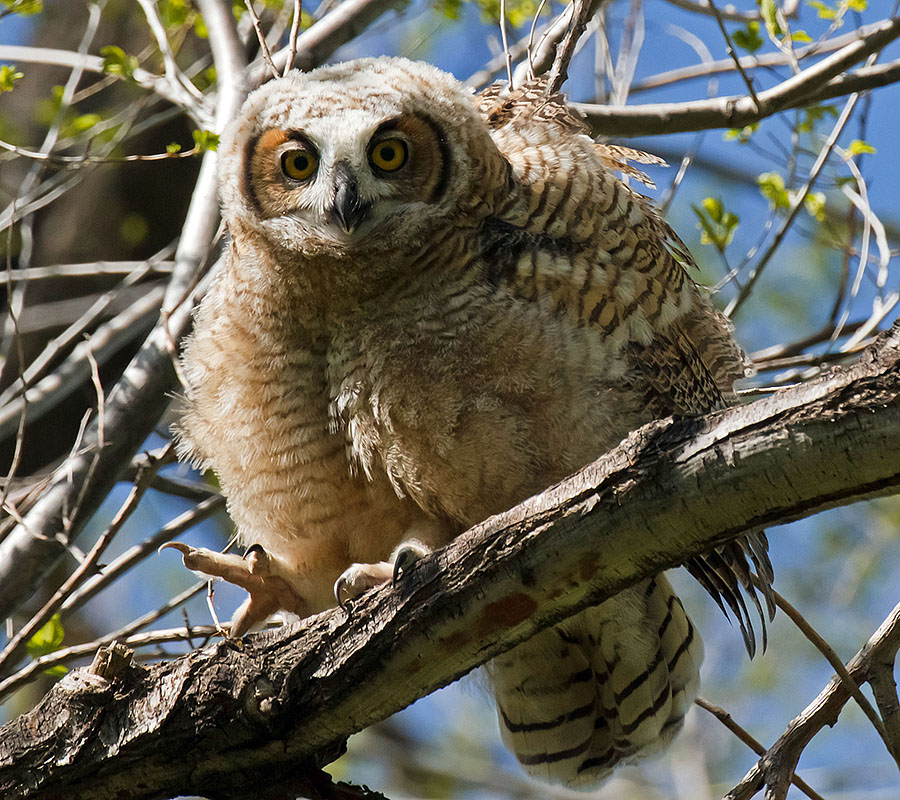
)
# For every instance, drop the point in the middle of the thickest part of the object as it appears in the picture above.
(285, 702)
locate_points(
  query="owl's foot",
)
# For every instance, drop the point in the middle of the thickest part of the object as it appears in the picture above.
(255, 572)
(407, 554)
(359, 578)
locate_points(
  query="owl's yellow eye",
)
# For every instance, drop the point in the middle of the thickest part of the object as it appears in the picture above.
(389, 155)
(299, 164)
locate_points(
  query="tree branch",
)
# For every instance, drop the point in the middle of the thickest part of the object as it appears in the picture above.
(285, 701)
(777, 764)
(822, 81)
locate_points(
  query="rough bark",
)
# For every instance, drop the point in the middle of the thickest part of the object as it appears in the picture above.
(280, 703)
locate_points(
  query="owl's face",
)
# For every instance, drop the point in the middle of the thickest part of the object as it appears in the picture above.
(352, 157)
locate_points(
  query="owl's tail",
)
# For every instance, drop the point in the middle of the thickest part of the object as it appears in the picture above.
(610, 684)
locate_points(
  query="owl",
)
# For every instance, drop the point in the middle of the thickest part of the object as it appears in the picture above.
(433, 306)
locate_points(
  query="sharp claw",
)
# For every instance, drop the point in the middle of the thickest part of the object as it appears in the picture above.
(405, 557)
(257, 559)
(254, 548)
(182, 548)
(338, 589)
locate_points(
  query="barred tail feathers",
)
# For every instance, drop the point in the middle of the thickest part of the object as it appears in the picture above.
(611, 684)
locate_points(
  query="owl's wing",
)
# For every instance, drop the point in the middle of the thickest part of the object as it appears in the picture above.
(571, 234)
(678, 381)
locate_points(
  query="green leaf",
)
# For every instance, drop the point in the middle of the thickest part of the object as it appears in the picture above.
(24, 7)
(716, 224)
(812, 115)
(800, 36)
(173, 147)
(449, 8)
(771, 184)
(815, 205)
(857, 5)
(117, 62)
(824, 11)
(769, 11)
(741, 135)
(56, 672)
(174, 13)
(205, 140)
(8, 76)
(205, 78)
(80, 124)
(858, 146)
(748, 38)
(48, 639)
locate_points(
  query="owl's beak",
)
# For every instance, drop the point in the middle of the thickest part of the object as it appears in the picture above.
(349, 209)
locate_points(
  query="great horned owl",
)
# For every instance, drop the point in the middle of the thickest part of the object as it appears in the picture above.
(433, 306)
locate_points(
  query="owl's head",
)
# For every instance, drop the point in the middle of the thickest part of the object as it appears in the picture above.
(361, 156)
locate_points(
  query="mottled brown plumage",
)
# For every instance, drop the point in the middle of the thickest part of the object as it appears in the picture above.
(434, 306)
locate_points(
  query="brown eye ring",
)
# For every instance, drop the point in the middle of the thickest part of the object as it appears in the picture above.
(389, 155)
(299, 164)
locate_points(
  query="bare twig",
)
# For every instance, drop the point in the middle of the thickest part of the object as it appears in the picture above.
(341, 24)
(880, 677)
(730, 13)
(729, 47)
(67, 655)
(15, 647)
(705, 69)
(580, 16)
(826, 650)
(292, 39)
(728, 721)
(263, 44)
(506, 54)
(108, 338)
(188, 94)
(157, 84)
(90, 269)
(134, 555)
(781, 759)
(797, 200)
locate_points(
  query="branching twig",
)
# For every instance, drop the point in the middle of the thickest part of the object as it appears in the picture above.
(729, 47)
(263, 44)
(583, 10)
(797, 200)
(826, 650)
(728, 721)
(16, 645)
(820, 81)
(781, 759)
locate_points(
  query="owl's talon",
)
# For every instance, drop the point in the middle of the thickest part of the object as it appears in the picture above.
(358, 579)
(406, 555)
(339, 586)
(259, 554)
(256, 572)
